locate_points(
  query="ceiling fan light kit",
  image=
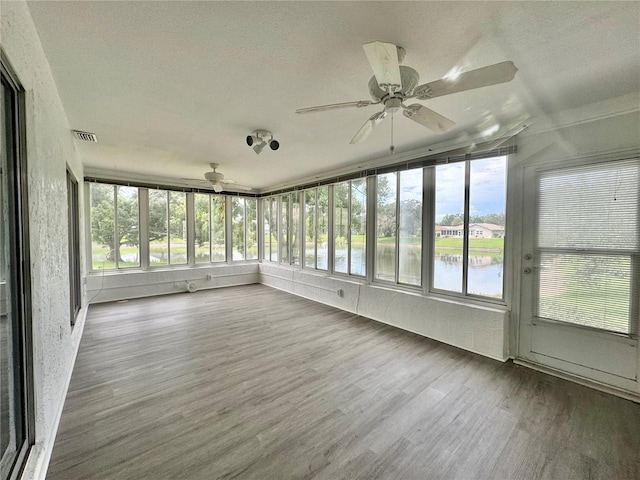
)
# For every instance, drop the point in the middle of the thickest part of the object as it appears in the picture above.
(393, 83)
(260, 139)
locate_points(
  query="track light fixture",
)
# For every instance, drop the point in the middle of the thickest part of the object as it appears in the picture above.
(260, 138)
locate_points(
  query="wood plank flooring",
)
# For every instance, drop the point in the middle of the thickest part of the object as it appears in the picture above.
(251, 382)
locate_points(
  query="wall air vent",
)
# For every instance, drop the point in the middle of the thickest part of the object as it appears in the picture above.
(85, 136)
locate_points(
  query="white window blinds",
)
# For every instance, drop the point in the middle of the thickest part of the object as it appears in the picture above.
(588, 244)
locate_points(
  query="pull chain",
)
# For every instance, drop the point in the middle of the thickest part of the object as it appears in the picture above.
(392, 148)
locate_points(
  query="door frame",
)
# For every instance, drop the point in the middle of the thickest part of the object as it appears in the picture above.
(526, 179)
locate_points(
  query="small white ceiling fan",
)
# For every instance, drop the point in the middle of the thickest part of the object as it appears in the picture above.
(393, 83)
(219, 183)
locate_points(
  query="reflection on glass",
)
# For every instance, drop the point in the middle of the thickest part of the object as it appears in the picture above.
(158, 239)
(203, 219)
(323, 229)
(218, 249)
(310, 228)
(410, 235)
(449, 227)
(177, 228)
(252, 228)
(357, 238)
(237, 228)
(340, 225)
(128, 253)
(487, 197)
(386, 227)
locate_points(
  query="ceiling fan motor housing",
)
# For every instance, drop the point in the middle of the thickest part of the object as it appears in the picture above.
(213, 176)
(409, 79)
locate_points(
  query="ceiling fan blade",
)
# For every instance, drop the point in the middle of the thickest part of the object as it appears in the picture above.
(334, 106)
(428, 118)
(482, 77)
(368, 127)
(383, 58)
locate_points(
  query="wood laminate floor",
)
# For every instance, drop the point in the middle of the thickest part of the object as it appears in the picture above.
(252, 382)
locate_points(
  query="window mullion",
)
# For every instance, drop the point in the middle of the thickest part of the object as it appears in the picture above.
(350, 194)
(465, 228)
(315, 228)
(191, 229)
(143, 238)
(168, 230)
(428, 227)
(398, 219)
(330, 230)
(116, 242)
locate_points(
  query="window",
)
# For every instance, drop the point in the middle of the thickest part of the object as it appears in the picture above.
(114, 227)
(244, 220)
(270, 212)
(295, 228)
(587, 247)
(284, 229)
(209, 234)
(399, 227)
(466, 260)
(73, 225)
(316, 228)
(289, 228)
(410, 235)
(177, 228)
(252, 228)
(16, 382)
(350, 223)
(202, 209)
(218, 229)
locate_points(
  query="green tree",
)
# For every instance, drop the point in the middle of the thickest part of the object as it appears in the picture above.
(452, 219)
(103, 230)
(411, 216)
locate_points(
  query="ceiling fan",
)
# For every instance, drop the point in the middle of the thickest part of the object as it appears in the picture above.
(393, 83)
(219, 183)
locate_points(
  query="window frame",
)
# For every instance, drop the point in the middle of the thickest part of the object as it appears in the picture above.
(464, 294)
(19, 197)
(73, 223)
(398, 229)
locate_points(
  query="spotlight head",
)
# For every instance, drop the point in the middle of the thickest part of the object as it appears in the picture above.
(259, 147)
(274, 144)
(249, 140)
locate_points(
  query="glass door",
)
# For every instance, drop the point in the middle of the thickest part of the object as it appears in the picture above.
(581, 271)
(15, 426)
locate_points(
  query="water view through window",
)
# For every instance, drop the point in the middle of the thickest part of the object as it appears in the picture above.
(484, 227)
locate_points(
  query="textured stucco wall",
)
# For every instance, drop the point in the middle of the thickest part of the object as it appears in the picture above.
(49, 149)
(476, 328)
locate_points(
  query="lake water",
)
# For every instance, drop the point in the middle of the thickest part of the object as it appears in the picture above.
(485, 275)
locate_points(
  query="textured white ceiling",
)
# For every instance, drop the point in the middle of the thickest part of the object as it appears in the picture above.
(169, 87)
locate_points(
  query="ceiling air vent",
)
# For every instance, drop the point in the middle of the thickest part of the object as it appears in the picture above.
(86, 136)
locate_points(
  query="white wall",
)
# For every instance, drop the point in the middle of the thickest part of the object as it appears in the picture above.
(112, 286)
(477, 328)
(50, 148)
